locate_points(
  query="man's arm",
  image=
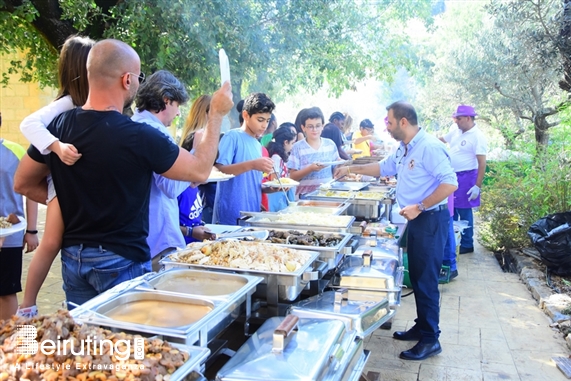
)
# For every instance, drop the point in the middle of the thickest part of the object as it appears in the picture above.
(30, 179)
(371, 169)
(298, 174)
(410, 212)
(31, 240)
(196, 167)
(481, 169)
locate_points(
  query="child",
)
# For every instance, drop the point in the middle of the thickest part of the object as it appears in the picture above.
(72, 72)
(306, 155)
(240, 154)
(279, 148)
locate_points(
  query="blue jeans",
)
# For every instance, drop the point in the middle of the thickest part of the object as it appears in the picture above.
(88, 271)
(465, 214)
(425, 243)
(449, 258)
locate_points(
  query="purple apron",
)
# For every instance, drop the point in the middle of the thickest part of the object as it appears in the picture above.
(466, 180)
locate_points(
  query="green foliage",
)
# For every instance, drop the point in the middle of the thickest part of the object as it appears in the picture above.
(522, 191)
(39, 61)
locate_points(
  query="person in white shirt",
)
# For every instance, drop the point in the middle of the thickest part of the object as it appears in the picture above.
(468, 148)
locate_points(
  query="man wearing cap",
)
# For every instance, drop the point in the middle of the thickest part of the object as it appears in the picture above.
(362, 138)
(334, 131)
(468, 148)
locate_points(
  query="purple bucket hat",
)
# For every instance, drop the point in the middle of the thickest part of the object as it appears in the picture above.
(464, 110)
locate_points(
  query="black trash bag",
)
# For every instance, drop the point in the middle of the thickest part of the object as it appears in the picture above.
(551, 236)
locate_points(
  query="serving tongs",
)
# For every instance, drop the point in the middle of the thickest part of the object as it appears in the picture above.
(289, 203)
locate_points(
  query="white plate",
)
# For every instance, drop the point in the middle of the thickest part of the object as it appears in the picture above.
(275, 184)
(14, 228)
(328, 163)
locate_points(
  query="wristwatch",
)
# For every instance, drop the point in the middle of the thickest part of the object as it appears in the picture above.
(421, 207)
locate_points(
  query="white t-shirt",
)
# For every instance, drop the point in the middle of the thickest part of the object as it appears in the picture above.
(465, 146)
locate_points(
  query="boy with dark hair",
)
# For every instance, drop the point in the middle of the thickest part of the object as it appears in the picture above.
(241, 155)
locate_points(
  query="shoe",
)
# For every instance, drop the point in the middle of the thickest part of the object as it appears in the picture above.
(453, 274)
(27, 312)
(466, 250)
(444, 276)
(410, 335)
(421, 351)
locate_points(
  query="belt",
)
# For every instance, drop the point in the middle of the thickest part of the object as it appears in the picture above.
(438, 208)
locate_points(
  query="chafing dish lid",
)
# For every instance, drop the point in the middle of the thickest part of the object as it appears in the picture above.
(358, 315)
(306, 357)
(381, 250)
(372, 267)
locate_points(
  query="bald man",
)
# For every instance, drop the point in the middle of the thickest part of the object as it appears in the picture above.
(104, 197)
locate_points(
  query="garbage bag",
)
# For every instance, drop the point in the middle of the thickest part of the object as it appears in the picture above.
(551, 236)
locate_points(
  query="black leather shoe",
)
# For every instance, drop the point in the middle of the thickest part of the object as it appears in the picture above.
(421, 351)
(466, 250)
(410, 335)
(453, 274)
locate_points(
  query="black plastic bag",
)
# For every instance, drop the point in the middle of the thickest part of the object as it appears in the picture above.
(551, 236)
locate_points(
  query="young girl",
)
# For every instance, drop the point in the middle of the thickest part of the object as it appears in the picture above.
(307, 155)
(190, 202)
(72, 76)
(278, 149)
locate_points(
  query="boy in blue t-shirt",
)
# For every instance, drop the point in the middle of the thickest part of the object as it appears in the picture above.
(240, 154)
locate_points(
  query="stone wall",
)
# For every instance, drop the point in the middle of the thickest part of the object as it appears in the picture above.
(17, 100)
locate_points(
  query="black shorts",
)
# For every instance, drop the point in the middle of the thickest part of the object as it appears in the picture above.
(10, 270)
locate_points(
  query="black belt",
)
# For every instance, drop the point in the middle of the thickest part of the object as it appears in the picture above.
(438, 208)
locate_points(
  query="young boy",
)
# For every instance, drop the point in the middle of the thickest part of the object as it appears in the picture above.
(241, 155)
(307, 155)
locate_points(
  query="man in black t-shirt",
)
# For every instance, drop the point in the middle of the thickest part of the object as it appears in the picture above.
(104, 197)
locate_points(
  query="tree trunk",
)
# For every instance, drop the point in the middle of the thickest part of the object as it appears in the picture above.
(541, 134)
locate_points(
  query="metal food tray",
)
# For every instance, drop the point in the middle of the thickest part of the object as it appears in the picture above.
(250, 220)
(226, 309)
(286, 286)
(361, 208)
(347, 185)
(198, 356)
(330, 254)
(334, 208)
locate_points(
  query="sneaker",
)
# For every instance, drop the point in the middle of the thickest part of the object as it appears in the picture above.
(444, 276)
(453, 274)
(27, 312)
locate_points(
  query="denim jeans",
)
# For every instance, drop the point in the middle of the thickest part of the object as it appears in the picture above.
(465, 214)
(88, 271)
(449, 257)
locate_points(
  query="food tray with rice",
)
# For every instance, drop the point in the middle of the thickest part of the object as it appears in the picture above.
(216, 176)
(286, 270)
(284, 182)
(104, 355)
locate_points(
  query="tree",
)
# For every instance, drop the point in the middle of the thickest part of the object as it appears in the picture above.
(276, 46)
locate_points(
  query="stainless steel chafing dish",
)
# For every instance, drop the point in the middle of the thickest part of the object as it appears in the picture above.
(275, 285)
(361, 316)
(270, 221)
(370, 278)
(288, 349)
(325, 207)
(346, 185)
(195, 363)
(330, 254)
(365, 205)
(189, 318)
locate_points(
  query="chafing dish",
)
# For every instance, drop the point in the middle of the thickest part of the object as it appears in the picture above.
(346, 185)
(287, 349)
(275, 285)
(370, 278)
(365, 205)
(323, 207)
(196, 316)
(272, 221)
(330, 254)
(360, 316)
(195, 363)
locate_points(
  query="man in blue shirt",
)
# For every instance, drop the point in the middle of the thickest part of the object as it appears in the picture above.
(425, 180)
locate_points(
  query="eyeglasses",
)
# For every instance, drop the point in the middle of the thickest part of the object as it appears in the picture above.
(141, 76)
(314, 128)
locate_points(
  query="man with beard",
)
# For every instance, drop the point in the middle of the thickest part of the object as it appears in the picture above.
(104, 197)
(425, 180)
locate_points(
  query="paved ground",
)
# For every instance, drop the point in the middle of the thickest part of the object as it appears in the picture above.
(491, 328)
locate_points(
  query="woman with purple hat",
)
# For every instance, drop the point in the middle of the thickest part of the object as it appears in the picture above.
(468, 148)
